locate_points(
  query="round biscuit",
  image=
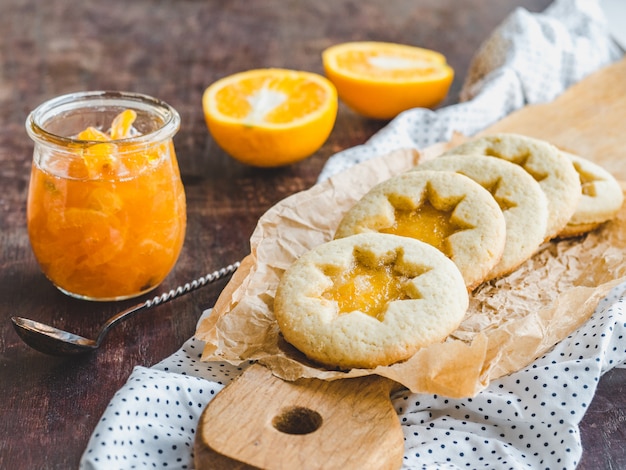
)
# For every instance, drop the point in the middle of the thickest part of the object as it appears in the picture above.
(477, 244)
(553, 171)
(519, 196)
(435, 301)
(602, 197)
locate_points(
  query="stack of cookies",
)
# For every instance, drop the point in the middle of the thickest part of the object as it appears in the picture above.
(397, 276)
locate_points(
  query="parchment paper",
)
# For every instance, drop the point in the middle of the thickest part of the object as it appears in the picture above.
(510, 321)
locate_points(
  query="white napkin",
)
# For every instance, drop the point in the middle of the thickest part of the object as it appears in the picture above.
(527, 419)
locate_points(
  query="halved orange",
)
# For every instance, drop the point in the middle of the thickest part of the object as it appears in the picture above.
(380, 79)
(270, 117)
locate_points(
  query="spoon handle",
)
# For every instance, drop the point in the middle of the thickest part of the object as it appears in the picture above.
(167, 296)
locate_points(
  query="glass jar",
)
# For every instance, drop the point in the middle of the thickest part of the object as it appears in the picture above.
(106, 211)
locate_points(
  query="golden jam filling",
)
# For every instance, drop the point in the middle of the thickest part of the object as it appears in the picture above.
(426, 223)
(364, 288)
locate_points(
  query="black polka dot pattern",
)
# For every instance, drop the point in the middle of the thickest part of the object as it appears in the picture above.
(530, 58)
(528, 419)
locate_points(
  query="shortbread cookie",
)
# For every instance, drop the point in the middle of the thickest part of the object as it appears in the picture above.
(601, 200)
(369, 300)
(552, 170)
(519, 196)
(442, 208)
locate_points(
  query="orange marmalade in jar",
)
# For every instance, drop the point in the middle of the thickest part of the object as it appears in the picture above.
(106, 206)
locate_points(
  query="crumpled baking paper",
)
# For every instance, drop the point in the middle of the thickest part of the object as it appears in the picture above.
(510, 322)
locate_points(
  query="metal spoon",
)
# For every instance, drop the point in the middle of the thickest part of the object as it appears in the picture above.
(50, 340)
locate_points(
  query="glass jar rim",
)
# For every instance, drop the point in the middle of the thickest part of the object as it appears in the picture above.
(72, 101)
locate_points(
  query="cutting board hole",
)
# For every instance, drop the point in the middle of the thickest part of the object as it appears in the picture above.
(297, 420)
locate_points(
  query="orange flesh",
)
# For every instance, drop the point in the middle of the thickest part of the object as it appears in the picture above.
(107, 238)
(391, 65)
(365, 289)
(426, 223)
(270, 100)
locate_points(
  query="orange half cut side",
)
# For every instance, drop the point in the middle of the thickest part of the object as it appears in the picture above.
(270, 117)
(380, 80)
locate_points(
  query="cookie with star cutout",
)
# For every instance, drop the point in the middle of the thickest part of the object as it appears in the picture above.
(369, 300)
(602, 197)
(448, 210)
(544, 162)
(519, 196)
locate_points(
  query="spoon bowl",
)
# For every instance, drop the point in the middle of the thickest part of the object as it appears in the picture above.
(53, 341)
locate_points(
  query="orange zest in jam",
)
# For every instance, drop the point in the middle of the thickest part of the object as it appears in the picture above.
(122, 125)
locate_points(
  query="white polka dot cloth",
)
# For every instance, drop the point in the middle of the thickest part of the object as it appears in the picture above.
(528, 419)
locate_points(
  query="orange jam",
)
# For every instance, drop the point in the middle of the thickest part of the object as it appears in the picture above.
(426, 223)
(366, 289)
(106, 220)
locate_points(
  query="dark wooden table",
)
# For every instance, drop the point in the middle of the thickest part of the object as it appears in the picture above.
(173, 50)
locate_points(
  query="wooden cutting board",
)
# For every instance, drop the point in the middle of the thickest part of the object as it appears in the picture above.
(260, 421)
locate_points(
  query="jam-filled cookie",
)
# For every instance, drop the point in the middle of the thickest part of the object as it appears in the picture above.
(369, 300)
(519, 196)
(552, 170)
(601, 200)
(442, 208)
